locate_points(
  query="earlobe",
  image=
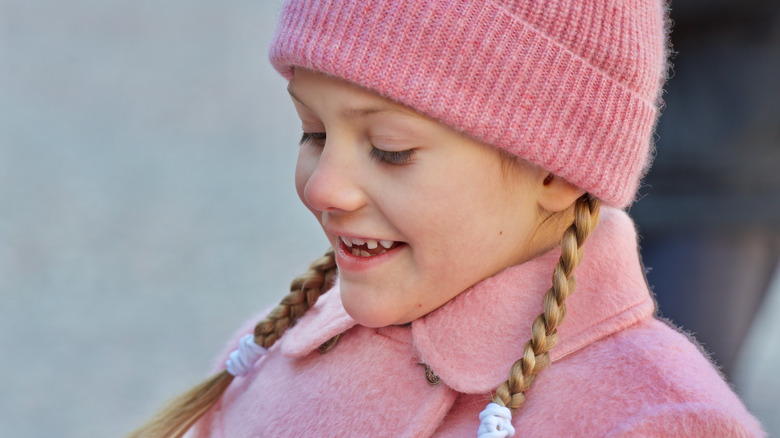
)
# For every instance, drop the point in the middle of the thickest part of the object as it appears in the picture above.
(557, 194)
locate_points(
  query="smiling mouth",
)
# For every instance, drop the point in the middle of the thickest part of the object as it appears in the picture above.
(368, 247)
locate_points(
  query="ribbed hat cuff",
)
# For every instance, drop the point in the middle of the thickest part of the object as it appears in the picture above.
(480, 69)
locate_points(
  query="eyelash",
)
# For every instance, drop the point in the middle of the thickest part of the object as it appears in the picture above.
(312, 137)
(396, 158)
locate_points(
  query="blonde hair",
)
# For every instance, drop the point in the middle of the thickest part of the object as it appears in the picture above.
(181, 413)
(544, 330)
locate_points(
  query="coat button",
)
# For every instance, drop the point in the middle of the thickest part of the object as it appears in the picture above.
(329, 344)
(430, 376)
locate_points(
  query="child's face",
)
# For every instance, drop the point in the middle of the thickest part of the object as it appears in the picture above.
(375, 172)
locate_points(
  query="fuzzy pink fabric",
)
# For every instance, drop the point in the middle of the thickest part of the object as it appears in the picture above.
(571, 86)
(617, 371)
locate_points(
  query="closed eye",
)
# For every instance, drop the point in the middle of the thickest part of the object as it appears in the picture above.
(396, 158)
(392, 157)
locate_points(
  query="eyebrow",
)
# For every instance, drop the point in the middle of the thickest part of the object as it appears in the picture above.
(354, 113)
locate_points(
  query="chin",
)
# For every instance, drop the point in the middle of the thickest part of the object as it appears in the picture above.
(366, 313)
(367, 317)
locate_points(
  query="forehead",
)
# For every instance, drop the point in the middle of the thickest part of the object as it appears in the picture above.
(316, 91)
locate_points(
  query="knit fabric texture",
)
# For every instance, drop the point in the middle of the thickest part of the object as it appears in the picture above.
(572, 86)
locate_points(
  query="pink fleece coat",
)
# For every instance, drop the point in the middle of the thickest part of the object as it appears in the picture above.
(616, 372)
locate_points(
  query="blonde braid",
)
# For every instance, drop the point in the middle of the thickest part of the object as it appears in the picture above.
(181, 413)
(304, 292)
(544, 331)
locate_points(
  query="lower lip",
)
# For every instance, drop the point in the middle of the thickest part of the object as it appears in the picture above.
(348, 262)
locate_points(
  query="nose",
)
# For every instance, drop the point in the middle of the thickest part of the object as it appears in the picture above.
(332, 181)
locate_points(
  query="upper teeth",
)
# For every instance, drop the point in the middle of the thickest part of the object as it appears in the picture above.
(370, 243)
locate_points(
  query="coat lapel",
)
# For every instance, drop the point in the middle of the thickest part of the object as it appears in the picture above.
(472, 341)
(326, 319)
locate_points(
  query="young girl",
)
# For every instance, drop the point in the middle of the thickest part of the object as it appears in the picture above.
(457, 154)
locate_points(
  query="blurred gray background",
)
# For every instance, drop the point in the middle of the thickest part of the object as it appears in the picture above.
(147, 205)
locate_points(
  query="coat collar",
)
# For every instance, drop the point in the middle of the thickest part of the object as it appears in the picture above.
(472, 341)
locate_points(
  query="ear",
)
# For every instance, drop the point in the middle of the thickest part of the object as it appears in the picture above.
(556, 194)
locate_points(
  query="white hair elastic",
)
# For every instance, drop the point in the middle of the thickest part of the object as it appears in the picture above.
(242, 361)
(495, 422)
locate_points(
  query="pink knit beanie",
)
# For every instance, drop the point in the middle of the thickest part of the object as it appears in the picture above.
(572, 86)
